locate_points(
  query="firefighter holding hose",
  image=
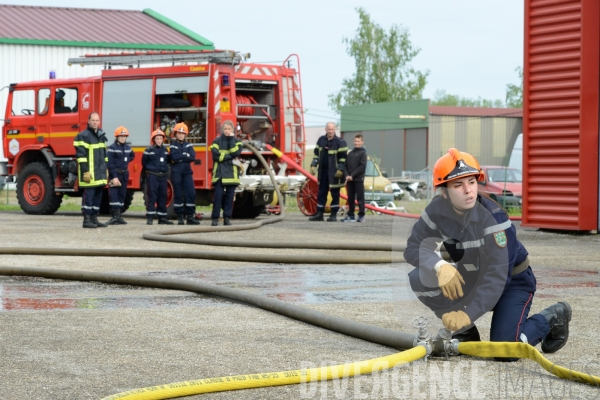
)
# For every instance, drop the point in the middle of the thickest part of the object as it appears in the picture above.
(328, 165)
(489, 267)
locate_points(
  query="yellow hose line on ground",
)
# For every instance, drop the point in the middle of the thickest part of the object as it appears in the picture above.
(252, 381)
(523, 350)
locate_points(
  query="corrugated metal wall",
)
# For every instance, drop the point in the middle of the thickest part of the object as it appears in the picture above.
(21, 63)
(489, 139)
(386, 146)
(561, 114)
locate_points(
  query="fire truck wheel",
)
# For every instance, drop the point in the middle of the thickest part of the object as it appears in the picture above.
(170, 197)
(105, 204)
(243, 207)
(128, 200)
(35, 190)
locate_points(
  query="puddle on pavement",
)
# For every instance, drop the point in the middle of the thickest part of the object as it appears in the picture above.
(304, 284)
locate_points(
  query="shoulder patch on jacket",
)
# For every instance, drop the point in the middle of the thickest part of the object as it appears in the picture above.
(500, 238)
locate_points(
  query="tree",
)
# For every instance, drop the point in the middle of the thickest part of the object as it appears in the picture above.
(514, 93)
(382, 62)
(441, 98)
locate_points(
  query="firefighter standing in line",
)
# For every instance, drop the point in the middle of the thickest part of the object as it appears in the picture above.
(119, 157)
(182, 156)
(328, 160)
(155, 164)
(490, 262)
(90, 149)
(225, 175)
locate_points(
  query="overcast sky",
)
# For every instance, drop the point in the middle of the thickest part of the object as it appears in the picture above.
(470, 47)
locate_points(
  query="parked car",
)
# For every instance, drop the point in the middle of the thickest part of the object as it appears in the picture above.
(503, 184)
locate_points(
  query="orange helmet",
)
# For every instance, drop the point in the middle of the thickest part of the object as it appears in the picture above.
(180, 127)
(121, 131)
(157, 132)
(455, 164)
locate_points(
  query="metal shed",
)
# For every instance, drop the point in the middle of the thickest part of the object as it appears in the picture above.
(412, 135)
(560, 136)
(52, 35)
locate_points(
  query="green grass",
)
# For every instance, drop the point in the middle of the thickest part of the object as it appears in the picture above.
(8, 202)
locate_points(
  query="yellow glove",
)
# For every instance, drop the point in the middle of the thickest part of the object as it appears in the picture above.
(456, 320)
(87, 177)
(313, 170)
(450, 280)
(339, 174)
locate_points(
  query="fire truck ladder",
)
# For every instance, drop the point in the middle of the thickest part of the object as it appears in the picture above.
(294, 102)
(131, 59)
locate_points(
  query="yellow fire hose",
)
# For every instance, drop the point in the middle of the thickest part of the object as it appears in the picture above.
(523, 350)
(252, 381)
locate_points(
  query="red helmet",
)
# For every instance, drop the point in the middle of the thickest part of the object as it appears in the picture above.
(180, 127)
(157, 132)
(121, 131)
(454, 165)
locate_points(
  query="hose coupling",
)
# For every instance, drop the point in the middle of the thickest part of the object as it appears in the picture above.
(423, 337)
(450, 345)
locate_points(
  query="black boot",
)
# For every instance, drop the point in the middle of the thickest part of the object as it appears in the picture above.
(558, 317)
(180, 220)
(226, 221)
(87, 222)
(98, 223)
(317, 217)
(215, 222)
(149, 221)
(115, 218)
(332, 217)
(469, 335)
(191, 220)
(121, 220)
(164, 221)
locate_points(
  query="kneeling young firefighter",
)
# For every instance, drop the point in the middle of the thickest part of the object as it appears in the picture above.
(182, 157)
(491, 269)
(119, 157)
(155, 164)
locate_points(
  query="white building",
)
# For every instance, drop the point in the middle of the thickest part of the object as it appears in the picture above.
(40, 48)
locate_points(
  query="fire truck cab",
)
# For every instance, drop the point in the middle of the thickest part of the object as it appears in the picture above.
(140, 92)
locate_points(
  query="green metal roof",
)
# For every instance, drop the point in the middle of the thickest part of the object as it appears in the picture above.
(74, 27)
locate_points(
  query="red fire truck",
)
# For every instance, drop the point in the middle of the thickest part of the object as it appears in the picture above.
(137, 90)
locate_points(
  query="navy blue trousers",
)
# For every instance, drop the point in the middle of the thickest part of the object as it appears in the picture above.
(322, 195)
(90, 200)
(223, 198)
(356, 191)
(156, 196)
(116, 195)
(510, 321)
(184, 192)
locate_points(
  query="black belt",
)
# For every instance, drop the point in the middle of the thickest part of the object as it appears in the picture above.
(159, 174)
(121, 171)
(521, 267)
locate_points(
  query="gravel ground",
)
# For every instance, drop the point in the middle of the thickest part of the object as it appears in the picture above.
(72, 340)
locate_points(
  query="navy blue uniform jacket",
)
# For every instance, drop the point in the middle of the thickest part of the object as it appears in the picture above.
(182, 155)
(483, 245)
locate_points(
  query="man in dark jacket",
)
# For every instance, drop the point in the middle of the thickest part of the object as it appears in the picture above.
(119, 157)
(90, 149)
(328, 160)
(225, 174)
(354, 169)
